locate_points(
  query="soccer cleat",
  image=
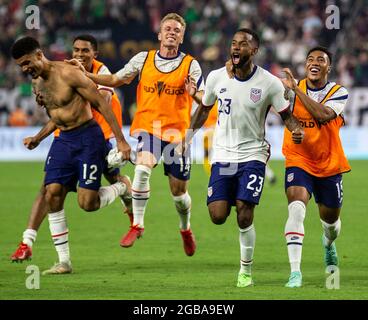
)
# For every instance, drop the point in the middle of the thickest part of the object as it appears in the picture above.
(133, 234)
(59, 268)
(24, 252)
(295, 280)
(331, 258)
(244, 280)
(188, 242)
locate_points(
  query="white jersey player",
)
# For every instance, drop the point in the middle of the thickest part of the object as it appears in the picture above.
(240, 148)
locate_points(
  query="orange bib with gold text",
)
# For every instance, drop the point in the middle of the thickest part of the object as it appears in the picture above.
(321, 153)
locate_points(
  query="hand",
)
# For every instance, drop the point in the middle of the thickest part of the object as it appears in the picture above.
(30, 143)
(289, 82)
(125, 149)
(76, 63)
(297, 135)
(190, 86)
(230, 68)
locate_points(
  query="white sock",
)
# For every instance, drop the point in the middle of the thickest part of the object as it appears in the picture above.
(331, 231)
(29, 237)
(247, 239)
(140, 193)
(59, 232)
(110, 193)
(294, 233)
(183, 204)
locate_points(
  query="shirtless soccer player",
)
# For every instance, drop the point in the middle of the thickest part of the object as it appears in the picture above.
(78, 154)
(85, 50)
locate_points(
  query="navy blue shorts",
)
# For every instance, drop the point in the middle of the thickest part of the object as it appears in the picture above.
(76, 156)
(327, 191)
(175, 165)
(236, 181)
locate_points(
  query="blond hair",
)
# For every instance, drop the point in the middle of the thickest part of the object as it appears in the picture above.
(173, 16)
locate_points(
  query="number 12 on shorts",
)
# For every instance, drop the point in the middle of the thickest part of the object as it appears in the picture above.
(92, 171)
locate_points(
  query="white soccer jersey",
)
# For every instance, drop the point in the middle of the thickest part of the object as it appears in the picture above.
(104, 70)
(242, 110)
(336, 102)
(135, 65)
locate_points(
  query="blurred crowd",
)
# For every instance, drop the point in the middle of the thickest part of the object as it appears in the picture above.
(287, 29)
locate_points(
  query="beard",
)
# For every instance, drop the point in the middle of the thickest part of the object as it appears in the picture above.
(242, 62)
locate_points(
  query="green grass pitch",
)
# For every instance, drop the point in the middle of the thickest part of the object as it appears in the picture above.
(156, 266)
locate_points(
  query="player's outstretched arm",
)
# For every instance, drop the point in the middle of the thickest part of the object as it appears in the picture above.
(293, 125)
(319, 112)
(88, 90)
(124, 76)
(198, 119)
(32, 142)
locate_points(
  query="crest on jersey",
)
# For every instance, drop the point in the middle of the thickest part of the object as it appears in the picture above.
(290, 177)
(255, 94)
(160, 87)
(209, 192)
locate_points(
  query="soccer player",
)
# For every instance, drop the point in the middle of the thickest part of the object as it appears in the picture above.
(78, 154)
(85, 49)
(209, 126)
(162, 116)
(240, 150)
(315, 166)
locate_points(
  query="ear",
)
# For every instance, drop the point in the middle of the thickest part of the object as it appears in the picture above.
(95, 54)
(39, 54)
(159, 36)
(329, 69)
(254, 51)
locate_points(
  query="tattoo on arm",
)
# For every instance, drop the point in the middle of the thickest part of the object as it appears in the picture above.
(290, 121)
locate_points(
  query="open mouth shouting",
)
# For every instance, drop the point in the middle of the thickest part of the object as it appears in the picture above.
(314, 70)
(236, 58)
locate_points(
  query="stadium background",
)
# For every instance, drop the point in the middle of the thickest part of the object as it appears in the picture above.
(123, 28)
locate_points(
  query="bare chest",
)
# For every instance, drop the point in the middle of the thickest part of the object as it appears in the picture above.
(55, 92)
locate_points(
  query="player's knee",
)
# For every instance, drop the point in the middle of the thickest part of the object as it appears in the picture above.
(297, 211)
(54, 200)
(88, 204)
(217, 216)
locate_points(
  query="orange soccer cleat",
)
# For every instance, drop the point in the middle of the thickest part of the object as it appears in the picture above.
(133, 234)
(24, 252)
(188, 242)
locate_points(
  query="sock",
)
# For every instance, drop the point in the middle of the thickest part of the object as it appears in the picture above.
(29, 237)
(183, 204)
(247, 239)
(126, 200)
(110, 193)
(294, 233)
(140, 193)
(330, 231)
(59, 232)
